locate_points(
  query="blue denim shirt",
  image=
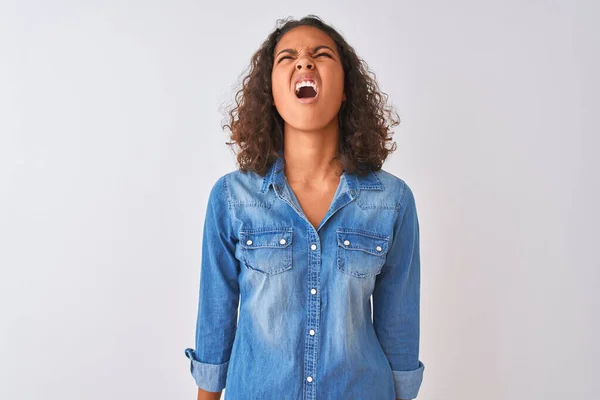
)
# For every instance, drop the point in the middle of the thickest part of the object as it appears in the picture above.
(305, 330)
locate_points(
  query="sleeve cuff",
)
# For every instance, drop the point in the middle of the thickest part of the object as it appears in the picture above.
(407, 383)
(210, 377)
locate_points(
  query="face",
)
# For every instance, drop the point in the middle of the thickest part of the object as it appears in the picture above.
(307, 79)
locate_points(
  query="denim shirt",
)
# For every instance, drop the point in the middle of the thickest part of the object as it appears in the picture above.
(304, 329)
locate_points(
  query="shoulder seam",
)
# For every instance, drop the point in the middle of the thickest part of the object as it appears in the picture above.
(226, 189)
(402, 196)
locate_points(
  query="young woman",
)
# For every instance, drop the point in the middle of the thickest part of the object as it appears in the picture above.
(305, 232)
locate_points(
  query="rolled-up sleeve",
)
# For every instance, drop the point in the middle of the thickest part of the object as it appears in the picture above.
(396, 300)
(219, 295)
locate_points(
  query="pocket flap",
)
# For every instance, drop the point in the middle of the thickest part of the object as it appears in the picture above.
(363, 240)
(270, 237)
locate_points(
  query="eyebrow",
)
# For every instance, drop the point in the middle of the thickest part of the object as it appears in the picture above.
(294, 52)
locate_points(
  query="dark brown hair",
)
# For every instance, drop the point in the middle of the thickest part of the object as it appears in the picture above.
(365, 119)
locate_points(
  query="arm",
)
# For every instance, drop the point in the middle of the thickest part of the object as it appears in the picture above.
(396, 301)
(218, 298)
(204, 395)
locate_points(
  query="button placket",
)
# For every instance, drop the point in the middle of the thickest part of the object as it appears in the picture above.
(311, 344)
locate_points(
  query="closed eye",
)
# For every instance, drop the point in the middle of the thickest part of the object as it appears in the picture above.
(283, 58)
(323, 54)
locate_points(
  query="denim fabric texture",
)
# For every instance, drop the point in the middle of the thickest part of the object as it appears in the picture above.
(304, 328)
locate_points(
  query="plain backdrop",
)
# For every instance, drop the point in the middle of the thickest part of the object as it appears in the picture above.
(110, 139)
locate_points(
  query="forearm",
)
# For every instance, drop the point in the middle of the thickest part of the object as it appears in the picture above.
(204, 395)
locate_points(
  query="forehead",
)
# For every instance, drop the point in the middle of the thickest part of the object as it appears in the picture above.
(303, 37)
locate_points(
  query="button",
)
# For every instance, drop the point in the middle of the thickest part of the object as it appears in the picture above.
(309, 379)
(282, 241)
(312, 332)
(346, 243)
(378, 248)
(249, 242)
(313, 246)
(313, 291)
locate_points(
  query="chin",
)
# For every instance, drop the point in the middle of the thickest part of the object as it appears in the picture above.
(311, 121)
(310, 125)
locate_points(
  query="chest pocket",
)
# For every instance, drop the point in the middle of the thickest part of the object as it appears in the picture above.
(361, 253)
(267, 250)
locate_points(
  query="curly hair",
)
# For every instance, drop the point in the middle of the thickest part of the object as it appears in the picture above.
(365, 119)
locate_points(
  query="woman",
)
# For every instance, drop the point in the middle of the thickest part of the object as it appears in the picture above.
(305, 231)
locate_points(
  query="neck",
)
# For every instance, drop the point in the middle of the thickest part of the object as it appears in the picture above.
(309, 155)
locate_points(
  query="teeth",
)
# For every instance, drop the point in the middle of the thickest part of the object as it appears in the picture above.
(306, 83)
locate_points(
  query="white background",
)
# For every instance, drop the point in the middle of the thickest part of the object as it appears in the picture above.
(110, 140)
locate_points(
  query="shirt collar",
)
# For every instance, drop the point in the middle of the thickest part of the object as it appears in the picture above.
(350, 183)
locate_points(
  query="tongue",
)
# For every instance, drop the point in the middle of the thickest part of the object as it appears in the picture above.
(306, 91)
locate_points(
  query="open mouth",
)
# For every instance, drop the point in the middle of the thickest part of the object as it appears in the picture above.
(306, 90)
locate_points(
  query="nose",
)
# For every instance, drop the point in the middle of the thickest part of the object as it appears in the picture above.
(304, 63)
